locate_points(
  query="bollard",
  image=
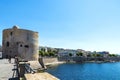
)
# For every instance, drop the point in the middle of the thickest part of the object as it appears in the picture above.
(41, 62)
(22, 69)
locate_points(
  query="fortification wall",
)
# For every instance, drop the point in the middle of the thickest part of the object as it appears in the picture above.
(49, 60)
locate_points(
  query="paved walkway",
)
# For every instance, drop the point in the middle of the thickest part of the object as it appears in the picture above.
(6, 69)
(40, 76)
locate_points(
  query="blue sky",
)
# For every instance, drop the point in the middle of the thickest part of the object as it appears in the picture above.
(92, 25)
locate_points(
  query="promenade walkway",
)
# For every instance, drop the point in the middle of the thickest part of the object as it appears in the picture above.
(6, 69)
(6, 72)
(40, 76)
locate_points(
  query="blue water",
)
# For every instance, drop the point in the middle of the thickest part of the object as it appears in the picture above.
(87, 71)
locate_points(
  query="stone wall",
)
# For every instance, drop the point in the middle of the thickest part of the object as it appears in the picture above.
(50, 60)
(83, 59)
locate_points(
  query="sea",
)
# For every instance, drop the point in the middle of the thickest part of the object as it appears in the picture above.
(86, 71)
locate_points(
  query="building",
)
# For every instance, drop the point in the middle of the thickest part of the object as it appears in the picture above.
(20, 42)
(85, 53)
(66, 52)
(104, 53)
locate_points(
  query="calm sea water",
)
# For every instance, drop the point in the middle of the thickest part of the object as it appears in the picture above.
(87, 71)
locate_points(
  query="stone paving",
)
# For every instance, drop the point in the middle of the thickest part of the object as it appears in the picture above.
(6, 69)
(40, 76)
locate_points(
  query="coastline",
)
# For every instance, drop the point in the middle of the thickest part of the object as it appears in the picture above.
(64, 62)
(86, 71)
(55, 63)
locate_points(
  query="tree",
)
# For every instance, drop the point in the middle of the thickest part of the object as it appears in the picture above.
(46, 53)
(55, 51)
(51, 54)
(98, 55)
(43, 49)
(79, 54)
(89, 55)
(113, 55)
(70, 54)
(94, 55)
(41, 53)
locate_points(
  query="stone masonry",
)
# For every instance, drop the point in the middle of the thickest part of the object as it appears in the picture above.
(20, 42)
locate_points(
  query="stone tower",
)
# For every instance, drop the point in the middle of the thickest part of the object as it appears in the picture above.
(20, 42)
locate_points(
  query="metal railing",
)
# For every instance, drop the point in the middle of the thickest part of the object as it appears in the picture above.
(28, 69)
(16, 73)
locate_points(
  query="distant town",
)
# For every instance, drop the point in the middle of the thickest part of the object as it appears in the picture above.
(78, 55)
(72, 52)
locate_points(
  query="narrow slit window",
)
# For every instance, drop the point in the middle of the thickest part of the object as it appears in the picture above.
(26, 46)
(11, 33)
(7, 44)
(21, 45)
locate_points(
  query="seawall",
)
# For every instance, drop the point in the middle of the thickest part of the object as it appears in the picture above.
(52, 61)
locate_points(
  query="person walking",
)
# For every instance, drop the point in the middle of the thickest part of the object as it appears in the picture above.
(16, 59)
(9, 59)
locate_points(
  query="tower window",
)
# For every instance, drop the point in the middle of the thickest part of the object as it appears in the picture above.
(26, 46)
(7, 44)
(21, 45)
(11, 33)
